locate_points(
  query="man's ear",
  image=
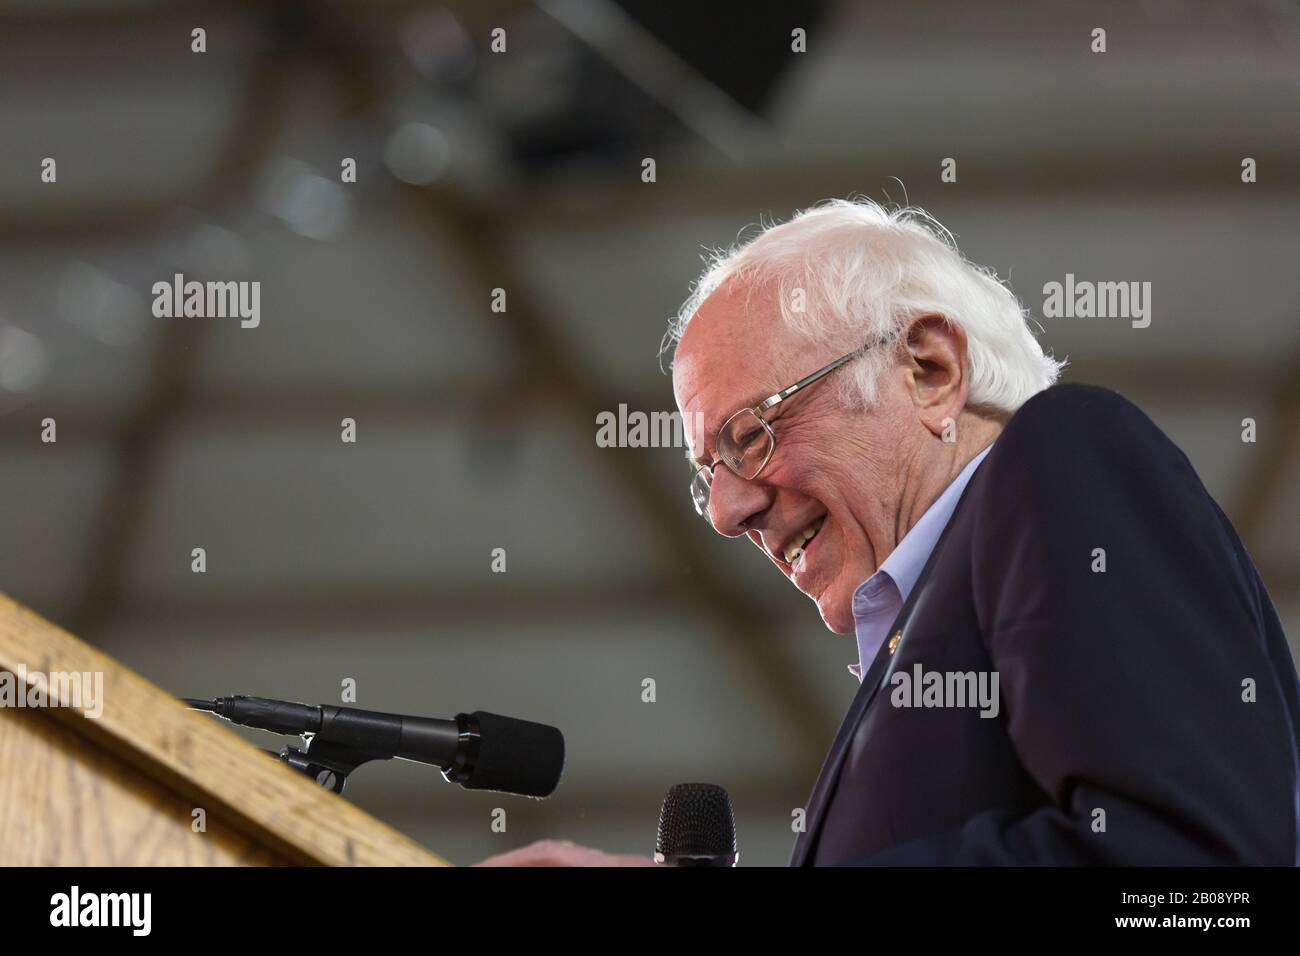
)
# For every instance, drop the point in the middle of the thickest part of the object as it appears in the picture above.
(936, 377)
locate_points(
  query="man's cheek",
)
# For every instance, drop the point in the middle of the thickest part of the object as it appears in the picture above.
(805, 463)
(798, 473)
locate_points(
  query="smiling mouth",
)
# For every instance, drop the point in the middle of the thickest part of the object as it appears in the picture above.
(798, 545)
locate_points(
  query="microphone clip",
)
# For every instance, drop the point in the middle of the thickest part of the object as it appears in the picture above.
(326, 762)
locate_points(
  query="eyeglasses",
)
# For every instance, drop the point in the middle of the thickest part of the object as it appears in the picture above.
(746, 441)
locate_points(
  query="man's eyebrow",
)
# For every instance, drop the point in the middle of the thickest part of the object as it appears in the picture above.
(711, 432)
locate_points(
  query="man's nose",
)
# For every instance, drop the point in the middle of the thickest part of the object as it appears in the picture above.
(733, 501)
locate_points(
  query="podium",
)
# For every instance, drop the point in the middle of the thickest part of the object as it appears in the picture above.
(129, 776)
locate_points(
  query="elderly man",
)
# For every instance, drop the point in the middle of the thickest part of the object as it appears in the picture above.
(1066, 654)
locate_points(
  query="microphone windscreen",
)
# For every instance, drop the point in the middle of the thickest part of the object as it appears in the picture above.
(696, 823)
(516, 756)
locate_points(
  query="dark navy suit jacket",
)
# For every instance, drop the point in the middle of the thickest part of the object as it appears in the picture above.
(1127, 730)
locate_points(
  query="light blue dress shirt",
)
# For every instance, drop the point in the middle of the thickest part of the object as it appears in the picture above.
(880, 597)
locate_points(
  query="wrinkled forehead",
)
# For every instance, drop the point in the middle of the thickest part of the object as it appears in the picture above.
(734, 353)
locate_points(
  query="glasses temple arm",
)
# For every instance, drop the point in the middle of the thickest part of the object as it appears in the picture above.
(805, 382)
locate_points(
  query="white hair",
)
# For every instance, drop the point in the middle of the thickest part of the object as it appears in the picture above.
(853, 270)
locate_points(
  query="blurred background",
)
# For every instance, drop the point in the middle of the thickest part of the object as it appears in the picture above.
(521, 170)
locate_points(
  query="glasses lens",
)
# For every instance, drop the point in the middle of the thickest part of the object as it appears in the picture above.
(744, 444)
(700, 492)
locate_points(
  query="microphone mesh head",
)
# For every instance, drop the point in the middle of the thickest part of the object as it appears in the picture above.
(696, 820)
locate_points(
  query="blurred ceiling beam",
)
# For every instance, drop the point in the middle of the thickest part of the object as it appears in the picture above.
(1187, 381)
(245, 614)
(779, 188)
(37, 17)
(169, 388)
(493, 401)
(619, 198)
(426, 605)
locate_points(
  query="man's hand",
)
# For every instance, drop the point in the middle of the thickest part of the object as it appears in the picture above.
(563, 853)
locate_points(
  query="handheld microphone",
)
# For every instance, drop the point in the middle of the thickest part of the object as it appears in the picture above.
(696, 827)
(479, 751)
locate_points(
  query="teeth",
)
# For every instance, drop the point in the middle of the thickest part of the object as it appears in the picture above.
(794, 551)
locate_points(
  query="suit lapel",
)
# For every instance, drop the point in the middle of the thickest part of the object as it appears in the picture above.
(805, 843)
(835, 757)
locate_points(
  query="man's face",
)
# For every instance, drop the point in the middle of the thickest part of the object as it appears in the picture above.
(836, 469)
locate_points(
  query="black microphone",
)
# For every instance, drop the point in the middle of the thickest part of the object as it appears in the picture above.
(479, 751)
(696, 827)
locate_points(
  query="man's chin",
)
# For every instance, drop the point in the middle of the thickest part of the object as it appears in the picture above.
(836, 614)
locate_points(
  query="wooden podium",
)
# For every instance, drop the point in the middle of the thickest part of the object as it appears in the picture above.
(122, 788)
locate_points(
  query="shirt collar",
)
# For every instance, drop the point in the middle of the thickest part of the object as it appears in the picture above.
(906, 562)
